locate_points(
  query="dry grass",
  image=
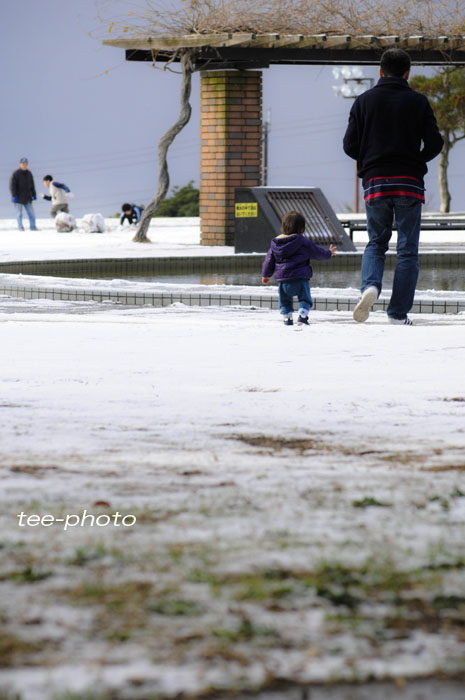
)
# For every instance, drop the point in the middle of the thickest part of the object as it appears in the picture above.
(179, 17)
(16, 651)
(271, 444)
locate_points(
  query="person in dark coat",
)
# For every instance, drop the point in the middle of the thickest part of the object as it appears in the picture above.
(289, 260)
(392, 133)
(23, 192)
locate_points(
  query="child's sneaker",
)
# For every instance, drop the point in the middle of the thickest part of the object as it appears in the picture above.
(401, 321)
(363, 308)
(288, 321)
(302, 321)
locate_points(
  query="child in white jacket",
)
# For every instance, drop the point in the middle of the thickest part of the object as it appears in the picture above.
(59, 194)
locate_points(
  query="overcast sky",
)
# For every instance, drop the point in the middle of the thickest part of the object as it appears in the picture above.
(78, 111)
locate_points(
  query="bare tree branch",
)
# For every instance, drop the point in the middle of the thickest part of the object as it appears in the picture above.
(395, 17)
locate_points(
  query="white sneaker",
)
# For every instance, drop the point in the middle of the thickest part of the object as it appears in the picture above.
(363, 308)
(401, 321)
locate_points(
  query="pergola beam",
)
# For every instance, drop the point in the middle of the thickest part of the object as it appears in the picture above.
(245, 50)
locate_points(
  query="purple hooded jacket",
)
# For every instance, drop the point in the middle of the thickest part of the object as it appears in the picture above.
(289, 258)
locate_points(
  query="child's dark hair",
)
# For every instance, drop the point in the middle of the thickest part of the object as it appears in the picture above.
(395, 63)
(126, 207)
(292, 222)
(48, 178)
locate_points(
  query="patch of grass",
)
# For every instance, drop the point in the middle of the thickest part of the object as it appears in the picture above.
(86, 695)
(256, 589)
(441, 613)
(443, 501)
(30, 468)
(445, 468)
(6, 695)
(403, 458)
(84, 555)
(339, 598)
(334, 582)
(340, 585)
(175, 607)
(120, 634)
(205, 576)
(177, 551)
(15, 650)
(355, 594)
(368, 501)
(448, 602)
(270, 443)
(121, 609)
(30, 574)
(457, 493)
(456, 565)
(336, 575)
(245, 631)
(271, 586)
(218, 649)
(125, 608)
(116, 596)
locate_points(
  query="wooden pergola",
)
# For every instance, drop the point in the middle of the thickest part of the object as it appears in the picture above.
(248, 51)
(231, 96)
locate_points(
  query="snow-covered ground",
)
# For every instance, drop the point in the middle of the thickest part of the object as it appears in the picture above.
(173, 237)
(168, 237)
(299, 497)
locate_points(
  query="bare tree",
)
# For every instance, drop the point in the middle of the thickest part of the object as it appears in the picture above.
(164, 144)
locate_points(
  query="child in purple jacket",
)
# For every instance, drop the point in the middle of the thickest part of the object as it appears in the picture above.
(289, 259)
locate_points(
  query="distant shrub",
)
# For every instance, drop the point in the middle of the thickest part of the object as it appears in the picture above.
(183, 202)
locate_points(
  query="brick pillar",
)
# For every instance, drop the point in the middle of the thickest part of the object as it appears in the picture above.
(230, 147)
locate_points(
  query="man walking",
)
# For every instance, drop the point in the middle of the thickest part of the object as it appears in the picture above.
(392, 134)
(23, 191)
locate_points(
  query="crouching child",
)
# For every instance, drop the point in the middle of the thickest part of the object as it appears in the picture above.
(289, 260)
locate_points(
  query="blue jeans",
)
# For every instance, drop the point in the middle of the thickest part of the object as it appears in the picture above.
(291, 289)
(380, 217)
(30, 212)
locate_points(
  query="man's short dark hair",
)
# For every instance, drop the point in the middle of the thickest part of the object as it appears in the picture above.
(126, 207)
(292, 222)
(395, 63)
(48, 177)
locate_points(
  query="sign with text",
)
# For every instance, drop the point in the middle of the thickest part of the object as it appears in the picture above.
(246, 209)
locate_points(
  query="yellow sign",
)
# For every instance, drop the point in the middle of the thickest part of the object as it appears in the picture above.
(246, 209)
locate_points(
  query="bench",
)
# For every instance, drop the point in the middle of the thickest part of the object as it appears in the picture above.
(427, 224)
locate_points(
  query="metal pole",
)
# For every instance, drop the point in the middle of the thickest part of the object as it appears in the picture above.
(265, 132)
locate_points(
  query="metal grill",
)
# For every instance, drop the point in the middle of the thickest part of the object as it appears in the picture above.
(319, 226)
(259, 211)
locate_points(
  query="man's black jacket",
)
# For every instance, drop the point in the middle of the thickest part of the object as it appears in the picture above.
(22, 186)
(392, 130)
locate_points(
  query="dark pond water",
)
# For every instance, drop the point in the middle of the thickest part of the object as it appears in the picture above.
(439, 279)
